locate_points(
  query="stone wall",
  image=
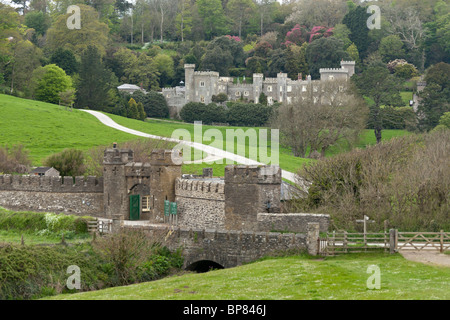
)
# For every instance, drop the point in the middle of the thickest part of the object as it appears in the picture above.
(200, 203)
(82, 204)
(291, 222)
(77, 196)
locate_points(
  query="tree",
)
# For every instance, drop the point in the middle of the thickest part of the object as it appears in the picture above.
(317, 12)
(353, 53)
(49, 82)
(325, 53)
(95, 81)
(356, 22)
(133, 111)
(184, 19)
(378, 84)
(154, 103)
(40, 22)
(92, 33)
(296, 61)
(165, 67)
(391, 48)
(67, 97)
(215, 22)
(330, 111)
(435, 97)
(65, 59)
(240, 11)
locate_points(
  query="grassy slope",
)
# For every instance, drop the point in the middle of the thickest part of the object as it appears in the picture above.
(296, 277)
(46, 128)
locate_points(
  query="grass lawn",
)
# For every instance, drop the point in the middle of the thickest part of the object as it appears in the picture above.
(45, 128)
(295, 277)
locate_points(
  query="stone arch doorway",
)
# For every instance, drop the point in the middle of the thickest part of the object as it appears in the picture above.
(140, 192)
(202, 266)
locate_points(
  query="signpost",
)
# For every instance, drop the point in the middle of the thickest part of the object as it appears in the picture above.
(365, 221)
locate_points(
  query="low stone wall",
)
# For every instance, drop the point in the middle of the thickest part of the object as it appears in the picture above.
(291, 222)
(90, 204)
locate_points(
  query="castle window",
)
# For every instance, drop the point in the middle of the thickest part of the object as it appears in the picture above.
(146, 203)
(281, 88)
(289, 100)
(303, 88)
(202, 99)
(269, 100)
(238, 94)
(331, 77)
(246, 93)
(269, 88)
(289, 88)
(202, 83)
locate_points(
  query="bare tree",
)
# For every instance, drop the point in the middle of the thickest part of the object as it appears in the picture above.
(328, 112)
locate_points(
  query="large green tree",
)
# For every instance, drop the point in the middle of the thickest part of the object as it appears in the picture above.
(95, 81)
(356, 22)
(49, 82)
(436, 96)
(240, 12)
(215, 22)
(325, 53)
(92, 32)
(383, 88)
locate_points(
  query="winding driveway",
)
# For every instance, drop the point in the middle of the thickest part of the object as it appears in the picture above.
(213, 153)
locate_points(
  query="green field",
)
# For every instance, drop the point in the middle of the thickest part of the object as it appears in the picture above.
(45, 129)
(295, 277)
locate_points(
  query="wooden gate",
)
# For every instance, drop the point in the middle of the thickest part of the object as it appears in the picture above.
(135, 207)
(422, 241)
(338, 242)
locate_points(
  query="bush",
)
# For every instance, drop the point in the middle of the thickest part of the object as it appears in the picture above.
(248, 114)
(405, 181)
(69, 162)
(402, 118)
(14, 159)
(197, 111)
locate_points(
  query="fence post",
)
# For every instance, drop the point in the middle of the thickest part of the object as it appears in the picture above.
(392, 241)
(442, 241)
(345, 241)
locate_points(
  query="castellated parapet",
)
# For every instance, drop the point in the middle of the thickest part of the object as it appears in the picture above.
(81, 184)
(201, 202)
(252, 174)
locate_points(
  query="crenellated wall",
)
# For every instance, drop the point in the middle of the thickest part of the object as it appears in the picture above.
(79, 195)
(201, 203)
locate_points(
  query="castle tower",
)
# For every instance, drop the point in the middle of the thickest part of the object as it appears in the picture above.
(257, 85)
(349, 66)
(164, 172)
(281, 84)
(115, 195)
(250, 190)
(189, 82)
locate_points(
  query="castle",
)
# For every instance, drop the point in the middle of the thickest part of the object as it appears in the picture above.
(247, 198)
(201, 86)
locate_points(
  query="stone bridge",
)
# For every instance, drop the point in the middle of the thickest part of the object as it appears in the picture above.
(209, 248)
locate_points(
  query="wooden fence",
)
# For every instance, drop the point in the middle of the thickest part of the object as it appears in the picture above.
(100, 226)
(338, 242)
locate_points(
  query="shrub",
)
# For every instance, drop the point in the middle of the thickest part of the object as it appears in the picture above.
(248, 114)
(197, 111)
(69, 162)
(14, 159)
(405, 181)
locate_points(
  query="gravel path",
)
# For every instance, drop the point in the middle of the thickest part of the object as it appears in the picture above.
(427, 256)
(212, 152)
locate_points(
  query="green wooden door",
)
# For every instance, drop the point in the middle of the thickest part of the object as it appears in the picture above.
(135, 207)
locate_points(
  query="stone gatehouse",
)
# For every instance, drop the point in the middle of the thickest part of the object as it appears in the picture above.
(246, 198)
